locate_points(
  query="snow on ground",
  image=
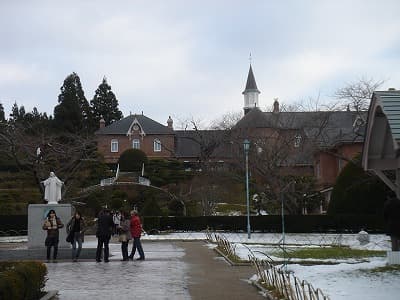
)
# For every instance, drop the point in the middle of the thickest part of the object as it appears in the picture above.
(347, 279)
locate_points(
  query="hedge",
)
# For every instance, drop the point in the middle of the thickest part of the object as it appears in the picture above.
(22, 280)
(270, 223)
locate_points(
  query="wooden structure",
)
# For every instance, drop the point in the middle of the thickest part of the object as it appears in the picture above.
(381, 147)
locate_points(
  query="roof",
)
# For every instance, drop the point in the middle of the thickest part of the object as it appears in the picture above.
(188, 143)
(329, 127)
(390, 103)
(251, 85)
(122, 126)
(382, 137)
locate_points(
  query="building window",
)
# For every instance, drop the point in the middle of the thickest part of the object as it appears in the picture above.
(114, 145)
(297, 141)
(157, 145)
(136, 144)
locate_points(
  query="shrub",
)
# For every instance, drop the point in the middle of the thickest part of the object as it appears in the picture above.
(22, 280)
(132, 160)
(357, 192)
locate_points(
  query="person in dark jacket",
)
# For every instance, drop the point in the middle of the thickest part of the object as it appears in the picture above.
(105, 226)
(52, 224)
(136, 232)
(391, 213)
(75, 229)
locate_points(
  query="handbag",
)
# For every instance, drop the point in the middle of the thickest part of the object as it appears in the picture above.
(122, 238)
(70, 237)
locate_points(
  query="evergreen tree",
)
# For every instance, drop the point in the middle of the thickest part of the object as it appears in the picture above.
(17, 113)
(105, 105)
(72, 113)
(2, 115)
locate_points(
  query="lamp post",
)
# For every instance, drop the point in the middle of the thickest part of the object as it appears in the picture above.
(246, 146)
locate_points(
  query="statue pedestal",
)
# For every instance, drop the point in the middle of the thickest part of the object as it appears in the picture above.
(393, 257)
(36, 216)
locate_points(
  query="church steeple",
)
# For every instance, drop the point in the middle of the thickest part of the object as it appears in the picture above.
(250, 93)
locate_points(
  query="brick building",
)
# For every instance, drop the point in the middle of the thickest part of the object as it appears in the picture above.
(317, 143)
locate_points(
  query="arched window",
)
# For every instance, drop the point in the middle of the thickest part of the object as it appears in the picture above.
(157, 145)
(136, 144)
(114, 145)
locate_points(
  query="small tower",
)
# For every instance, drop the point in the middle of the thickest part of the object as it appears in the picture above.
(250, 93)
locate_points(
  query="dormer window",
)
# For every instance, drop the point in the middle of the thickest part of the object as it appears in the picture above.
(297, 141)
(157, 145)
(358, 122)
(135, 127)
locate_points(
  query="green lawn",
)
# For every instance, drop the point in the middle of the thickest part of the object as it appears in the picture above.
(330, 253)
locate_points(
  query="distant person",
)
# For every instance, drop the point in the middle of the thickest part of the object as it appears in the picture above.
(125, 234)
(136, 232)
(391, 213)
(75, 232)
(117, 220)
(52, 225)
(105, 226)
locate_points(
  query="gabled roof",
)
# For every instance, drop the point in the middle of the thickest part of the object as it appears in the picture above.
(383, 131)
(251, 85)
(330, 127)
(147, 125)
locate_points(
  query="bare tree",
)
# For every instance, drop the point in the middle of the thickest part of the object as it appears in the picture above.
(227, 121)
(357, 95)
(42, 151)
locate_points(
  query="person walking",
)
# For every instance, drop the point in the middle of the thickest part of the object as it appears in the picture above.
(124, 234)
(105, 226)
(52, 224)
(75, 234)
(136, 231)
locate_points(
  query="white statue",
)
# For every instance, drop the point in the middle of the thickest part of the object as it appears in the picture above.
(52, 192)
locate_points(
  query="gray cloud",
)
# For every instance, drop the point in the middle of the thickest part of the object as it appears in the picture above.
(175, 58)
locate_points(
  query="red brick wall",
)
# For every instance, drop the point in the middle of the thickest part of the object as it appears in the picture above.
(125, 143)
(329, 166)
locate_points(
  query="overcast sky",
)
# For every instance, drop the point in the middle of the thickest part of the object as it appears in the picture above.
(191, 58)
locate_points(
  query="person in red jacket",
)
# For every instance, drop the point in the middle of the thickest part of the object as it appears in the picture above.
(136, 231)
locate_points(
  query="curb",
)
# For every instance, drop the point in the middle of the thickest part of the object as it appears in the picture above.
(49, 295)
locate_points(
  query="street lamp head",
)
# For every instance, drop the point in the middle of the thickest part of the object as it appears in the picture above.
(246, 145)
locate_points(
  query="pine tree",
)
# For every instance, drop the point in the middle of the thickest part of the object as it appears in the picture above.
(17, 113)
(105, 105)
(72, 113)
(2, 115)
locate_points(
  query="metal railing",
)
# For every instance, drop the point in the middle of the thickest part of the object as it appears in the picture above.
(274, 279)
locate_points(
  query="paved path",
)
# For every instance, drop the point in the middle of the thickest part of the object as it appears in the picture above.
(172, 270)
(211, 277)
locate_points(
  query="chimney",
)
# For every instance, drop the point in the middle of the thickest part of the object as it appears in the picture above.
(170, 122)
(102, 123)
(276, 106)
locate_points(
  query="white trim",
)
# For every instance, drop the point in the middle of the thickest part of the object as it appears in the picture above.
(135, 141)
(114, 145)
(157, 145)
